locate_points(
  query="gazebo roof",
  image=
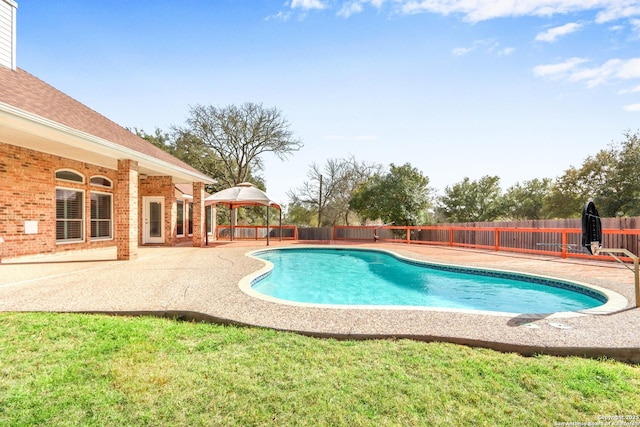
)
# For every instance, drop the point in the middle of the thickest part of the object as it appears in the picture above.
(243, 194)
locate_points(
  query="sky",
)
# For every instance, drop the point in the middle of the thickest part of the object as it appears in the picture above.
(457, 88)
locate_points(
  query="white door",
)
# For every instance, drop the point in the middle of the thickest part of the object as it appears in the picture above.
(153, 220)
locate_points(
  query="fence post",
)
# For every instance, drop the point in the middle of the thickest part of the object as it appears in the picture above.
(408, 237)
(497, 239)
(565, 239)
(451, 236)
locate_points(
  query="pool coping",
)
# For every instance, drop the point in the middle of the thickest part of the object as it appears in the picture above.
(614, 301)
(202, 284)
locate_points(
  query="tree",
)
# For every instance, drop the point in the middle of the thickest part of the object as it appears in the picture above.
(328, 190)
(527, 200)
(611, 178)
(300, 215)
(159, 139)
(190, 149)
(401, 196)
(471, 201)
(240, 135)
(570, 191)
(621, 195)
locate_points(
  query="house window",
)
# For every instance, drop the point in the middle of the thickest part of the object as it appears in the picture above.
(101, 212)
(190, 219)
(180, 220)
(69, 215)
(101, 181)
(69, 175)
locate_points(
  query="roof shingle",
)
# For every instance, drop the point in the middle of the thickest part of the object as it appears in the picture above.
(26, 92)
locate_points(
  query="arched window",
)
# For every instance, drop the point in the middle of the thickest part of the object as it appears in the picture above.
(69, 175)
(101, 181)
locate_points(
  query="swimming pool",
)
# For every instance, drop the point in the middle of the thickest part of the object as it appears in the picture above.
(347, 277)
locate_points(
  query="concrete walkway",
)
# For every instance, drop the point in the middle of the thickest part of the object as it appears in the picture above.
(202, 284)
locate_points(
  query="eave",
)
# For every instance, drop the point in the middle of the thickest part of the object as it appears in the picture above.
(27, 130)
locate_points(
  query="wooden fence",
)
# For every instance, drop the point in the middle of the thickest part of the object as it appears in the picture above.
(560, 237)
(256, 232)
(543, 237)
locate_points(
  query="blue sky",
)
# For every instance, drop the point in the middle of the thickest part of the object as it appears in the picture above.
(457, 88)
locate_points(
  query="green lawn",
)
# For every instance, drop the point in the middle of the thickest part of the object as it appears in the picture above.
(59, 369)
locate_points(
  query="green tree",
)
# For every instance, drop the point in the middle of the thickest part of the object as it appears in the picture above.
(527, 200)
(471, 201)
(159, 138)
(300, 215)
(190, 149)
(570, 191)
(401, 196)
(621, 190)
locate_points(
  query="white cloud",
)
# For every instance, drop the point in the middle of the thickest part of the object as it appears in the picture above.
(356, 6)
(482, 10)
(506, 51)
(280, 16)
(554, 70)
(617, 9)
(460, 51)
(597, 75)
(635, 89)
(619, 69)
(632, 108)
(629, 69)
(613, 69)
(349, 9)
(552, 34)
(485, 45)
(307, 4)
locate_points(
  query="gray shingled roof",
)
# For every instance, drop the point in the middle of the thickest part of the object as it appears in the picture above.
(23, 91)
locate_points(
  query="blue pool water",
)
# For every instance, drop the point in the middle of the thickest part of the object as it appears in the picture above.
(369, 277)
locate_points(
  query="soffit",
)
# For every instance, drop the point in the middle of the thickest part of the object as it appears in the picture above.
(39, 134)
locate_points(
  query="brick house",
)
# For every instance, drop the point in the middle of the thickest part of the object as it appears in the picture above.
(71, 179)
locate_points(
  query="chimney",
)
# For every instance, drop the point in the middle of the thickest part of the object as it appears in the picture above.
(8, 33)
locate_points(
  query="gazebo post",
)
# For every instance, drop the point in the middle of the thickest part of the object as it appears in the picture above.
(245, 194)
(231, 220)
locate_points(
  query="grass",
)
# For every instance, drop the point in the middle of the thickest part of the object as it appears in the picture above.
(67, 369)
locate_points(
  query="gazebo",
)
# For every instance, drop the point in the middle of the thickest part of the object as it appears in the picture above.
(244, 194)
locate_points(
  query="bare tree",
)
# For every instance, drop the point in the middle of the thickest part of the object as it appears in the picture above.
(328, 189)
(241, 134)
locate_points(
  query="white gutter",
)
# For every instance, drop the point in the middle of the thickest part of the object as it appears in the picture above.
(88, 142)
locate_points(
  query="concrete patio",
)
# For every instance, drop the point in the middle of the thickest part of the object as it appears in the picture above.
(202, 284)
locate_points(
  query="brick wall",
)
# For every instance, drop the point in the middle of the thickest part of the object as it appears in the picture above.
(27, 193)
(160, 186)
(126, 210)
